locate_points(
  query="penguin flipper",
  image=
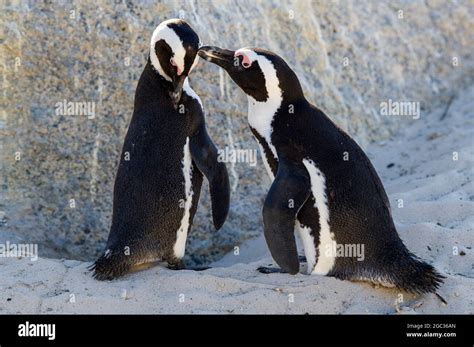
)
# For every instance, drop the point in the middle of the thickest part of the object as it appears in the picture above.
(289, 191)
(204, 154)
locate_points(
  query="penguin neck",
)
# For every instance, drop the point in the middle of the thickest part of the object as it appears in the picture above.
(283, 90)
(291, 87)
(261, 114)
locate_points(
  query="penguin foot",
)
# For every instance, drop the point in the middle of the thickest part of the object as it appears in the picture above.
(269, 270)
(274, 270)
(110, 265)
(179, 265)
(176, 265)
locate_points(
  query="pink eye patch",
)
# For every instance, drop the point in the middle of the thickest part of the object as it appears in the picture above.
(246, 63)
(179, 71)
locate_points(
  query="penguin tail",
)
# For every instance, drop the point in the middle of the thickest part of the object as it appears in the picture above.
(111, 265)
(411, 274)
(419, 277)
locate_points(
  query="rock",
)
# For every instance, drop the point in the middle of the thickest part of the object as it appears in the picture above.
(10, 237)
(3, 219)
(60, 169)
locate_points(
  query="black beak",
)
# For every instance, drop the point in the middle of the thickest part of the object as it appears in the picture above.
(177, 90)
(219, 56)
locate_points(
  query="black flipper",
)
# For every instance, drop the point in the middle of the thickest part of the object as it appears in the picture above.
(204, 154)
(288, 193)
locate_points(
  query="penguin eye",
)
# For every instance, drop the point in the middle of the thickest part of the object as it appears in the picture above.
(246, 62)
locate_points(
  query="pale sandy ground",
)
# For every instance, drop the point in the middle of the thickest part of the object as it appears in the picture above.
(436, 223)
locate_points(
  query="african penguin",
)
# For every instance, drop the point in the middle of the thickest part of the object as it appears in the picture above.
(331, 202)
(165, 154)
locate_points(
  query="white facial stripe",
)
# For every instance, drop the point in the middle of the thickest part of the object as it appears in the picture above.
(260, 114)
(327, 244)
(248, 56)
(163, 32)
(251, 55)
(182, 232)
(269, 72)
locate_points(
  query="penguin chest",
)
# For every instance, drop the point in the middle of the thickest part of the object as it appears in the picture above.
(260, 118)
(194, 106)
(269, 157)
(326, 245)
(185, 203)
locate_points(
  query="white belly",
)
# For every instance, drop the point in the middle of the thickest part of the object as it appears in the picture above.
(182, 232)
(307, 239)
(327, 244)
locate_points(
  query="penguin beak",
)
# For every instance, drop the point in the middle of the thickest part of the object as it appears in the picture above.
(177, 90)
(219, 56)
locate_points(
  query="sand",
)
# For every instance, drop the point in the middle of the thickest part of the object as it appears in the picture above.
(436, 223)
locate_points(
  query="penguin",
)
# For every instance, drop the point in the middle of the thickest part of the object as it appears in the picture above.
(324, 186)
(166, 152)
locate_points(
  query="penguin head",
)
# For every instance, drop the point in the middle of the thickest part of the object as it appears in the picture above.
(258, 72)
(173, 49)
